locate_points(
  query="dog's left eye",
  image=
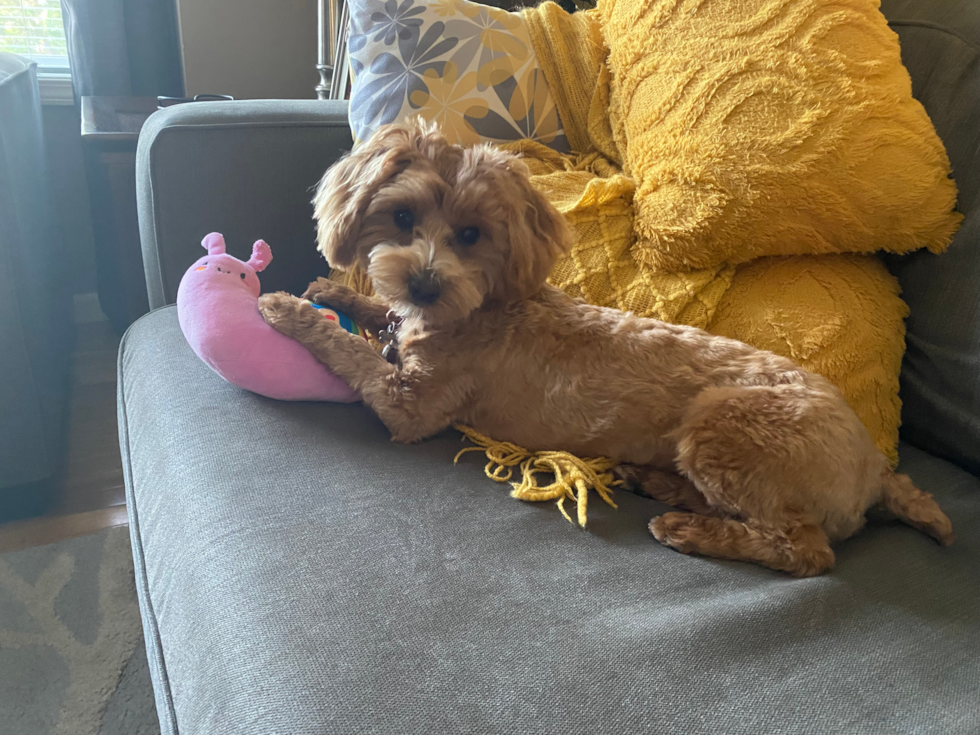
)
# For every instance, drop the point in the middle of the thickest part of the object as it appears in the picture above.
(468, 236)
(404, 219)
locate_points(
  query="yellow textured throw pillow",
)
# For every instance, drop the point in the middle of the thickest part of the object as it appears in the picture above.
(771, 127)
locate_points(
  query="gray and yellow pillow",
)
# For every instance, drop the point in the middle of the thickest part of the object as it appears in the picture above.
(469, 67)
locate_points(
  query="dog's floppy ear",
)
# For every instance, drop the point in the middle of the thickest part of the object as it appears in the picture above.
(347, 188)
(539, 234)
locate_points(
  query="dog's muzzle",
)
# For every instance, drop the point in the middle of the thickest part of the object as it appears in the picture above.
(424, 288)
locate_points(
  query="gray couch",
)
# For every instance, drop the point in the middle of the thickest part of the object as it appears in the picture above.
(36, 330)
(299, 573)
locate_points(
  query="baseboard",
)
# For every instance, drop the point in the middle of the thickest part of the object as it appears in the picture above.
(26, 501)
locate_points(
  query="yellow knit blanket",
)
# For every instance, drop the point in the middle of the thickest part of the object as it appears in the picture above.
(835, 312)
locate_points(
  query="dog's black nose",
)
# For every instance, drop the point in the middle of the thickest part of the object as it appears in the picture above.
(423, 288)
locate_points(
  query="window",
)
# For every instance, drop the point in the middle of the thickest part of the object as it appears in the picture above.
(34, 29)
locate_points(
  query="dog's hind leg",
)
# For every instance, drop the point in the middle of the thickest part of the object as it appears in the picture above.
(803, 551)
(667, 487)
(905, 501)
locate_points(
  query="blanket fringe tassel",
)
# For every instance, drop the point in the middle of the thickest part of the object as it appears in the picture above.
(573, 476)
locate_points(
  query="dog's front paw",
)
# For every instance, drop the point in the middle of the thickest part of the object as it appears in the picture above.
(325, 292)
(287, 314)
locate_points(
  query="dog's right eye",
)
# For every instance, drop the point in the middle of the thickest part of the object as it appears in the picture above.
(404, 220)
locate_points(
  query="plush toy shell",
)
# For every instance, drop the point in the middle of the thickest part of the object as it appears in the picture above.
(217, 306)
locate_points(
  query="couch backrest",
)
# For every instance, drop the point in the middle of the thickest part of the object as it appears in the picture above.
(941, 372)
(246, 169)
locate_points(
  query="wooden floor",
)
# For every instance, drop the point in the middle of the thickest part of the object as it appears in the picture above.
(90, 495)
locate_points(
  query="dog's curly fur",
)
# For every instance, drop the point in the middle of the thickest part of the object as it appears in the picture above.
(767, 461)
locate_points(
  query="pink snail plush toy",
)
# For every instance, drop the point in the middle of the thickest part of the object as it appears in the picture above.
(217, 306)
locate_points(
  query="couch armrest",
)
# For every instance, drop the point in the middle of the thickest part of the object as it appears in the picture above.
(245, 169)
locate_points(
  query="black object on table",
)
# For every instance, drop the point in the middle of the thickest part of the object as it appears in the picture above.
(110, 131)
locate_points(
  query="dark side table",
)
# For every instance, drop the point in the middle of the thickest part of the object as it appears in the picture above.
(110, 130)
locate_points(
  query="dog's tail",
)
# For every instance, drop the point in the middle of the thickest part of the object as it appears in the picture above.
(913, 506)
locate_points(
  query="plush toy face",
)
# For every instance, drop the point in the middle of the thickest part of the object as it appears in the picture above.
(218, 270)
(224, 271)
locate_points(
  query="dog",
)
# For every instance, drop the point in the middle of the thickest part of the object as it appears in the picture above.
(766, 461)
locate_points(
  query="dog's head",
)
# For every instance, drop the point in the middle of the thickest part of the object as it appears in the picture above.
(440, 229)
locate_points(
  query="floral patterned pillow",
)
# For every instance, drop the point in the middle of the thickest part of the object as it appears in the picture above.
(470, 67)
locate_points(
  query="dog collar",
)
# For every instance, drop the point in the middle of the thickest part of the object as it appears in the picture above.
(389, 337)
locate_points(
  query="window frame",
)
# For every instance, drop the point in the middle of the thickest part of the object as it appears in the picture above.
(53, 72)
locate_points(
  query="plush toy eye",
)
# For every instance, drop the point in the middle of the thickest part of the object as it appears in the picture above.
(243, 276)
(404, 220)
(468, 236)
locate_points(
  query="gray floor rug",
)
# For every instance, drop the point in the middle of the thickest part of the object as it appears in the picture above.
(72, 660)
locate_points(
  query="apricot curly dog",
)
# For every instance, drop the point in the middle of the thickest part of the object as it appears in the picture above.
(767, 460)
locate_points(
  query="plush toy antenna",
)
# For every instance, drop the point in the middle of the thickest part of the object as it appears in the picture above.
(214, 243)
(261, 256)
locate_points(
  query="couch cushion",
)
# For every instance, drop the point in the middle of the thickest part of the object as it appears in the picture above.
(300, 573)
(941, 373)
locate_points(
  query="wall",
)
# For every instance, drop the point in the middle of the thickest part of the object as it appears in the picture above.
(250, 49)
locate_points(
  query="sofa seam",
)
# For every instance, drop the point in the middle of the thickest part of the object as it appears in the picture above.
(137, 537)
